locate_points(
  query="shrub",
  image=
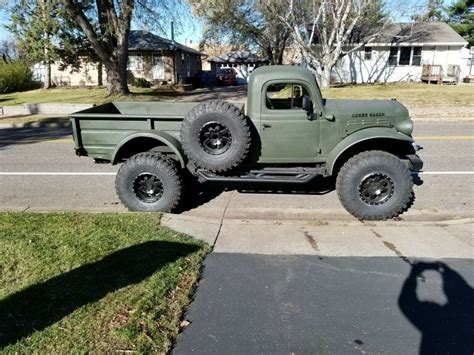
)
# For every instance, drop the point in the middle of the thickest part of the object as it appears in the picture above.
(15, 76)
(141, 83)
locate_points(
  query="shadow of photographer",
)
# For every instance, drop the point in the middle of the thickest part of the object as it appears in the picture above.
(41, 305)
(445, 329)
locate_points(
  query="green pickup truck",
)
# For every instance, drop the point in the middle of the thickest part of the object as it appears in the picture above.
(286, 133)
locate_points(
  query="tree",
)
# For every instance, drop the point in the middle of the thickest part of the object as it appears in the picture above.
(108, 36)
(34, 26)
(9, 50)
(63, 29)
(433, 11)
(461, 19)
(106, 25)
(245, 23)
(322, 29)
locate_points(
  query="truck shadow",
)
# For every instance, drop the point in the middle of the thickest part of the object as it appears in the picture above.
(198, 194)
(41, 305)
(445, 328)
(29, 135)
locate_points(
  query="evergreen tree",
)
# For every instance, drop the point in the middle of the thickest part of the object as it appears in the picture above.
(35, 26)
(461, 19)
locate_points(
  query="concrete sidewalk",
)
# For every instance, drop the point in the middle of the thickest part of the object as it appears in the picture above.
(447, 239)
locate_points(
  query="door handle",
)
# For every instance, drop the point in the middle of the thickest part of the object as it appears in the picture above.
(266, 125)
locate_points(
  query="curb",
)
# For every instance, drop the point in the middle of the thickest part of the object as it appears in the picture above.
(323, 221)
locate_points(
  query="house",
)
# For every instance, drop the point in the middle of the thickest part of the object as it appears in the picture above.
(152, 57)
(161, 60)
(398, 52)
(243, 62)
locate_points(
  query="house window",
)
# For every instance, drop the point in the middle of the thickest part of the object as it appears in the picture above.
(368, 53)
(393, 56)
(416, 60)
(405, 54)
(408, 56)
(135, 62)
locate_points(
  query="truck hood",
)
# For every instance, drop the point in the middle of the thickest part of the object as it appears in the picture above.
(366, 108)
(354, 115)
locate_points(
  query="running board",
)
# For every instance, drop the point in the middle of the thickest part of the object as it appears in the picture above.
(270, 175)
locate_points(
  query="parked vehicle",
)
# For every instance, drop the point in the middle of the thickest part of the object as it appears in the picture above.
(226, 76)
(286, 133)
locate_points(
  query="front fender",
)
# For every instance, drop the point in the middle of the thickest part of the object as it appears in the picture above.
(362, 136)
(161, 137)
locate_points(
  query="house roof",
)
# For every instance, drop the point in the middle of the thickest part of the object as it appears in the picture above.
(425, 33)
(147, 41)
(238, 57)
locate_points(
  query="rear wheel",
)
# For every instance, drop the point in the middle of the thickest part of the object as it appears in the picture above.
(374, 185)
(149, 182)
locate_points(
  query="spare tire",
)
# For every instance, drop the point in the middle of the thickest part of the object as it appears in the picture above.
(216, 136)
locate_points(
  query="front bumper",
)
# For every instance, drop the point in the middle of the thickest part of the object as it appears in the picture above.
(414, 162)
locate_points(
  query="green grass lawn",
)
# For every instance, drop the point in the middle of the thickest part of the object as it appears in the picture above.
(77, 96)
(93, 282)
(411, 94)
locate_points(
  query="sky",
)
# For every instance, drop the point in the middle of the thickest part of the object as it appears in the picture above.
(190, 33)
(194, 30)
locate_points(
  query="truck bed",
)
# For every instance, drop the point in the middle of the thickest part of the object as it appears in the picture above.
(98, 130)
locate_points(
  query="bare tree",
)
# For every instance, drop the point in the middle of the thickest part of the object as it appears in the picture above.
(106, 26)
(321, 30)
(247, 23)
(110, 43)
(9, 49)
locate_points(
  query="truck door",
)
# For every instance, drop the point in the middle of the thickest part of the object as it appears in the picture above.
(286, 133)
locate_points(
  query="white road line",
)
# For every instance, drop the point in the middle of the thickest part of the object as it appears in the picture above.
(60, 173)
(446, 173)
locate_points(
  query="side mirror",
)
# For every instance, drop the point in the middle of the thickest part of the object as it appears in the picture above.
(307, 105)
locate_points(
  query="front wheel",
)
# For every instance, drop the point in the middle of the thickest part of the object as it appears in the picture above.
(374, 185)
(149, 182)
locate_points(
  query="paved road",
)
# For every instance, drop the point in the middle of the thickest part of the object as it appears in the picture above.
(255, 304)
(448, 150)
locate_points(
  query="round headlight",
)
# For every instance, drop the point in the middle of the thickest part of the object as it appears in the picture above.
(405, 127)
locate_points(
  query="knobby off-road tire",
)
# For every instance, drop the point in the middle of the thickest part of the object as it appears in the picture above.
(374, 185)
(216, 136)
(149, 182)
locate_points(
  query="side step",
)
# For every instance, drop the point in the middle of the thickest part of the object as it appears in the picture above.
(272, 175)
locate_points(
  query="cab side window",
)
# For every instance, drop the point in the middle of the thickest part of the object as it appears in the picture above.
(285, 96)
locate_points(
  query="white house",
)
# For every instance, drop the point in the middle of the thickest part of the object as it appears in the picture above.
(399, 51)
